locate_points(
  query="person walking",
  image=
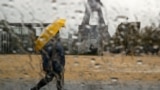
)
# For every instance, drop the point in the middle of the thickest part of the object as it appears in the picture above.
(53, 57)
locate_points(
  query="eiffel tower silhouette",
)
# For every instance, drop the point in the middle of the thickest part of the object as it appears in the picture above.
(92, 35)
(93, 6)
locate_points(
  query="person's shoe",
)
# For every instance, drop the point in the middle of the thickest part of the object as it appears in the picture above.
(34, 88)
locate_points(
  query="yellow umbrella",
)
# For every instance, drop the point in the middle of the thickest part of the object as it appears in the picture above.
(50, 31)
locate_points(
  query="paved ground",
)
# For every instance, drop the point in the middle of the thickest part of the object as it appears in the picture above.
(135, 85)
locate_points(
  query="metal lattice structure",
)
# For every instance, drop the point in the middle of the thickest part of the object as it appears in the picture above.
(92, 37)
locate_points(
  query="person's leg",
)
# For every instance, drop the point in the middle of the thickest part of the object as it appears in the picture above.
(60, 81)
(44, 81)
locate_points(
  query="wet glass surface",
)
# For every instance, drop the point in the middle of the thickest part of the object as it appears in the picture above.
(108, 44)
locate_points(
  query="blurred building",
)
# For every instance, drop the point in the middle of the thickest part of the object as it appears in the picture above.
(92, 37)
(18, 37)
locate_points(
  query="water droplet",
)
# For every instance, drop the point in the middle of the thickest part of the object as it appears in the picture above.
(97, 65)
(78, 11)
(75, 57)
(5, 5)
(30, 49)
(92, 60)
(11, 0)
(78, 43)
(76, 63)
(54, 1)
(73, 17)
(82, 84)
(54, 8)
(14, 51)
(88, 26)
(139, 62)
(63, 3)
(114, 79)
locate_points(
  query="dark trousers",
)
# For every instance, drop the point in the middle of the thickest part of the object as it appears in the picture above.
(48, 77)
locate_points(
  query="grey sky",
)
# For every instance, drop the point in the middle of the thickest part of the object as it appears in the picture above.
(145, 11)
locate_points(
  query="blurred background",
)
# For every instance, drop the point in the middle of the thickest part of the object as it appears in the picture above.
(109, 44)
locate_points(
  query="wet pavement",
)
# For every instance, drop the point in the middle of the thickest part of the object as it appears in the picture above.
(25, 85)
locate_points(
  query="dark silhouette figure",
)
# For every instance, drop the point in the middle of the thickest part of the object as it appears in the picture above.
(53, 64)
